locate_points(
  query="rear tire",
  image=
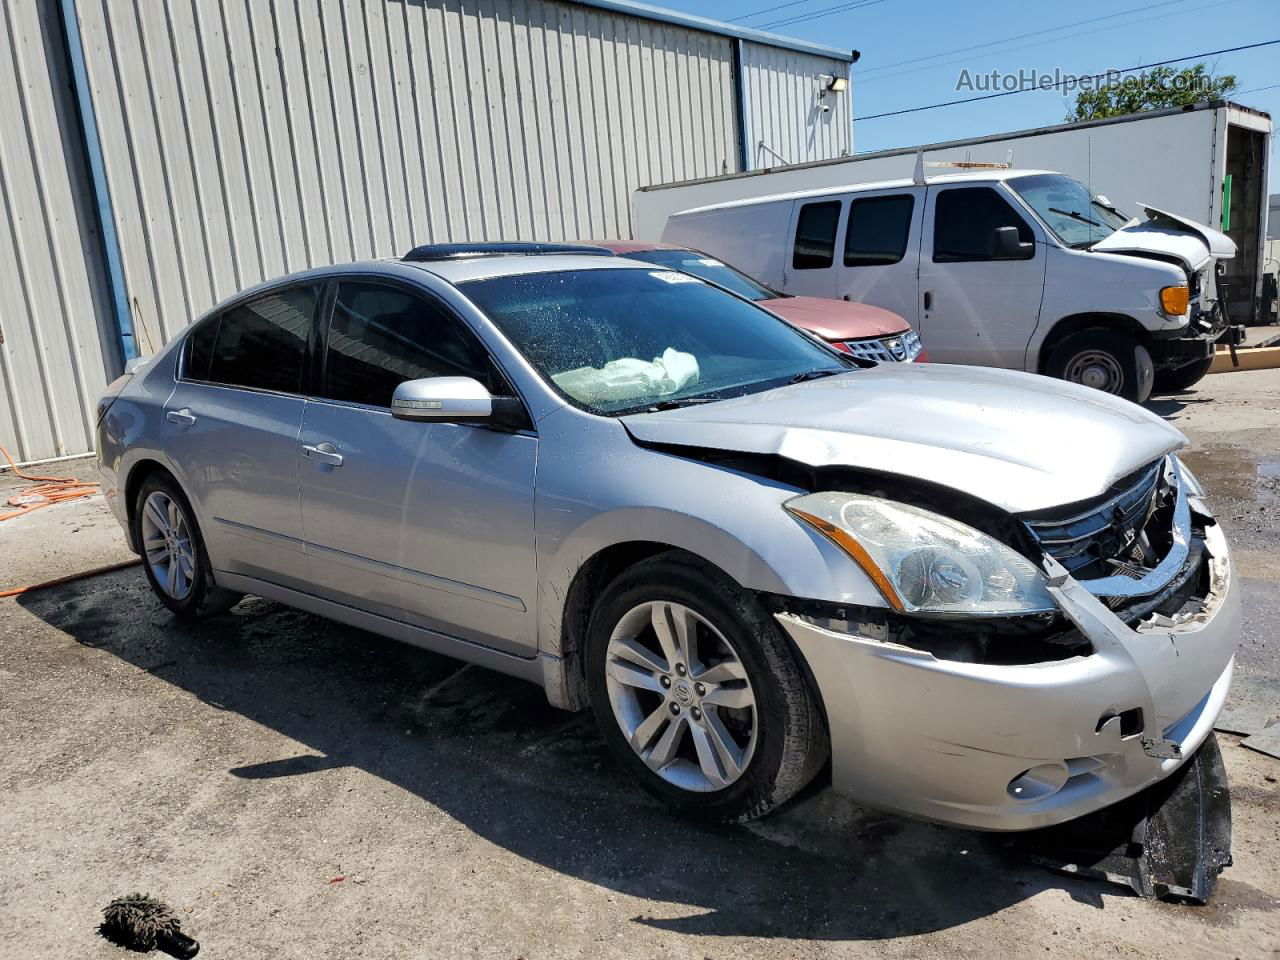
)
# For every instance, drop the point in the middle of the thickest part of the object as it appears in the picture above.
(1112, 362)
(173, 552)
(689, 667)
(1182, 378)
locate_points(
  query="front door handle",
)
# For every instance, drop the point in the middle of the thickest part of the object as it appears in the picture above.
(928, 300)
(322, 453)
(184, 417)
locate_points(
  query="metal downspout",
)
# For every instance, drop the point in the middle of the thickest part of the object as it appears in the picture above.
(97, 172)
(740, 106)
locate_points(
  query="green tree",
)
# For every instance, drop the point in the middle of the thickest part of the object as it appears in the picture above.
(1152, 89)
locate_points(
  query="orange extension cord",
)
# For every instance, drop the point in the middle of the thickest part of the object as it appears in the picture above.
(45, 491)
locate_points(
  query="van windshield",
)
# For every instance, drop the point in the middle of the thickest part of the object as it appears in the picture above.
(623, 340)
(1076, 218)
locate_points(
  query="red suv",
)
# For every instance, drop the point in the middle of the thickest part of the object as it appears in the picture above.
(865, 331)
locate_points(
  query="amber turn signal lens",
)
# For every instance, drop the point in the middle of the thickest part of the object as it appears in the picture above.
(1174, 300)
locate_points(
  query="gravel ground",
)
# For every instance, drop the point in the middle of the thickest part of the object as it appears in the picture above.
(296, 788)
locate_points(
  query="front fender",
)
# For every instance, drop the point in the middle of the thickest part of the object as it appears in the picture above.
(731, 519)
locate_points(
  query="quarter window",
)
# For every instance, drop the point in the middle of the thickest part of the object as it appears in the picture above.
(964, 224)
(199, 350)
(381, 336)
(878, 230)
(262, 344)
(816, 235)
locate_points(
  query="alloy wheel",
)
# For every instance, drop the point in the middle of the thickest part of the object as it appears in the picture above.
(166, 544)
(681, 696)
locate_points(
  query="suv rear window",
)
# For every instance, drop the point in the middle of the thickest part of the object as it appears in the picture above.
(878, 230)
(262, 344)
(816, 235)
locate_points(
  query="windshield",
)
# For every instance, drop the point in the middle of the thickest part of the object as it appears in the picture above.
(621, 340)
(708, 268)
(1076, 218)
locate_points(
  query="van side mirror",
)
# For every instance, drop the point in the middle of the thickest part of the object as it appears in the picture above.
(1007, 246)
(442, 399)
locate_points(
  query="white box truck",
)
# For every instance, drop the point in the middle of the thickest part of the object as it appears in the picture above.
(1206, 163)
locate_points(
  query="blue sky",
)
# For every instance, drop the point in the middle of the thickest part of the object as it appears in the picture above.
(942, 37)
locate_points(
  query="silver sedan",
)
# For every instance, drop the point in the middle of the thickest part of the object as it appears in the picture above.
(990, 598)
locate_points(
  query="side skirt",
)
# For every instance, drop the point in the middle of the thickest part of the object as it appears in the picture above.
(528, 668)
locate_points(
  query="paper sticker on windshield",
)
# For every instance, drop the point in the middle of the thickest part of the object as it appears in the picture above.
(708, 262)
(670, 276)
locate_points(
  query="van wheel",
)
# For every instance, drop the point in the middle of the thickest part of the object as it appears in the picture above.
(697, 692)
(1107, 361)
(173, 553)
(1181, 378)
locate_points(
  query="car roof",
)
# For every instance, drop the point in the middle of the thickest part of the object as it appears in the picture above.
(482, 268)
(451, 271)
(967, 176)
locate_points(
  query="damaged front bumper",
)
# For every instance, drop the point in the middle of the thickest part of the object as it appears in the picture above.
(1017, 747)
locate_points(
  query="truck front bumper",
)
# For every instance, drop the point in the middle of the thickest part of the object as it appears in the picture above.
(1020, 747)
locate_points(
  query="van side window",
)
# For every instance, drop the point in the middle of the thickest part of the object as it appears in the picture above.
(381, 336)
(816, 235)
(262, 344)
(964, 224)
(878, 230)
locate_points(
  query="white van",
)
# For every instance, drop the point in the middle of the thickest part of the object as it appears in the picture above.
(1021, 269)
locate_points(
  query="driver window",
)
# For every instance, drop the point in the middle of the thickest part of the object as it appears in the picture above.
(964, 224)
(381, 336)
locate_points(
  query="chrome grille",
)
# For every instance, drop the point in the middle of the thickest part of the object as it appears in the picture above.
(1107, 534)
(886, 349)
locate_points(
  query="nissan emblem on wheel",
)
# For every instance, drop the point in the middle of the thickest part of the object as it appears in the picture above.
(976, 596)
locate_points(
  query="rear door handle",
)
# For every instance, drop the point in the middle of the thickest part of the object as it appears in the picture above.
(928, 300)
(322, 453)
(183, 416)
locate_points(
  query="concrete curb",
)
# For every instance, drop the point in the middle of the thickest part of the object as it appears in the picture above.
(1251, 358)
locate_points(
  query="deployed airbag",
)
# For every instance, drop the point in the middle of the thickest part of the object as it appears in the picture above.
(630, 378)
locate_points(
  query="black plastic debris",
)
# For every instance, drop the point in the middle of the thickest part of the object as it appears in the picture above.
(1169, 842)
(142, 923)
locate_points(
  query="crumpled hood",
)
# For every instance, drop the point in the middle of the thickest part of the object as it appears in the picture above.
(1016, 440)
(1171, 235)
(837, 319)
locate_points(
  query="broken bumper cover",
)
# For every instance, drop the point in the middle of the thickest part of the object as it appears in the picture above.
(1019, 747)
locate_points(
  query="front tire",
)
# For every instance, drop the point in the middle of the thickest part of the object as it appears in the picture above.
(697, 692)
(1183, 378)
(173, 552)
(1112, 362)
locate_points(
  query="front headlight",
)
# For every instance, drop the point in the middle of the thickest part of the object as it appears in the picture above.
(923, 562)
(911, 344)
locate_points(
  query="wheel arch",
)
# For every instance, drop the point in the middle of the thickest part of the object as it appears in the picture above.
(590, 581)
(138, 473)
(1072, 324)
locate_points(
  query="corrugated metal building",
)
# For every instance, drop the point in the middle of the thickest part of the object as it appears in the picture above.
(159, 155)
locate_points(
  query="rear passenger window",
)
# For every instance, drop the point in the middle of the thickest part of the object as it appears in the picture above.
(964, 224)
(878, 230)
(262, 344)
(816, 235)
(381, 336)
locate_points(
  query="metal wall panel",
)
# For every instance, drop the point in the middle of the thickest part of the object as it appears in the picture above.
(57, 345)
(248, 138)
(784, 111)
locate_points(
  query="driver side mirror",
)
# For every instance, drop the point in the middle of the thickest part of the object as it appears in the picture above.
(442, 399)
(1007, 246)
